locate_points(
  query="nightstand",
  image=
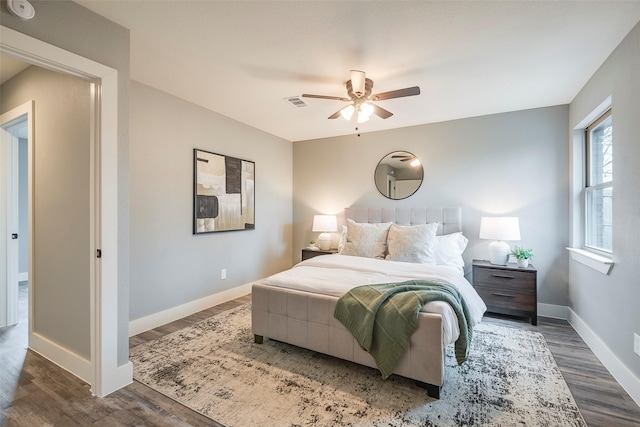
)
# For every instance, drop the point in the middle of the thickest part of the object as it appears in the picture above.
(507, 289)
(310, 253)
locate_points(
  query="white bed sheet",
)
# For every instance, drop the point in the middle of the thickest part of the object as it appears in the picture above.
(336, 274)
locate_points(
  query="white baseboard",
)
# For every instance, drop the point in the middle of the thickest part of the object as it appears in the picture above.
(66, 359)
(121, 377)
(553, 311)
(23, 277)
(620, 372)
(146, 323)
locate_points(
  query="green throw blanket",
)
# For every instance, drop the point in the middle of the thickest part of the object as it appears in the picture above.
(383, 317)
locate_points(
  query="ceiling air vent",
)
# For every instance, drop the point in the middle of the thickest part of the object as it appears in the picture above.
(296, 101)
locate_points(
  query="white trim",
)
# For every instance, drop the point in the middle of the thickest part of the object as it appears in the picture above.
(118, 378)
(146, 323)
(66, 359)
(595, 261)
(23, 276)
(593, 115)
(104, 305)
(618, 370)
(553, 311)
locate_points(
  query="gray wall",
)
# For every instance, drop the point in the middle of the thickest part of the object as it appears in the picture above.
(169, 265)
(609, 304)
(503, 164)
(61, 203)
(72, 27)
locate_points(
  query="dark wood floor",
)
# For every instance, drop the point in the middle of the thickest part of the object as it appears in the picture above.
(34, 392)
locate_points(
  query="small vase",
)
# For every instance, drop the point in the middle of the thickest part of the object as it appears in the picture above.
(523, 263)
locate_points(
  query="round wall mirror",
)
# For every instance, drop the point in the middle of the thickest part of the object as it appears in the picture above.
(398, 175)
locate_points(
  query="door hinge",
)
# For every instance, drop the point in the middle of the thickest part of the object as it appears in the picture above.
(98, 253)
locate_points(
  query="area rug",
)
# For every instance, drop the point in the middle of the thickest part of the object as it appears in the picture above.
(215, 368)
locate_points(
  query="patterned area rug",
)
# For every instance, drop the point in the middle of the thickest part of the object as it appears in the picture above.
(214, 367)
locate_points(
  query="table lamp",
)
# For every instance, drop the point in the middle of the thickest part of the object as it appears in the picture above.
(499, 229)
(324, 224)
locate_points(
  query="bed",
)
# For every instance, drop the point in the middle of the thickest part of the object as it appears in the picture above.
(296, 306)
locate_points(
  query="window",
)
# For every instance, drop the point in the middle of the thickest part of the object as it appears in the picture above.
(598, 192)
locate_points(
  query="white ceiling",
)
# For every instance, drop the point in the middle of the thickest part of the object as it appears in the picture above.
(470, 58)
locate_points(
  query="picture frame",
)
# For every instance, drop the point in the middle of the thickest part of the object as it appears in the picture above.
(223, 193)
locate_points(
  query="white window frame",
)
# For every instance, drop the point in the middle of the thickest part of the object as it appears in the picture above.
(589, 188)
(596, 260)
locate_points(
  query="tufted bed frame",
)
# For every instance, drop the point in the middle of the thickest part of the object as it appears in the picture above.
(306, 319)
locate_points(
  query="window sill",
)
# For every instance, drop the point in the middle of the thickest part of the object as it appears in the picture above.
(597, 262)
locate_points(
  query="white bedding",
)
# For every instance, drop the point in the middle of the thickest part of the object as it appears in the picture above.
(336, 274)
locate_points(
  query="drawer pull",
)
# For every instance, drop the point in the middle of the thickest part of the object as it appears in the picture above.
(502, 276)
(504, 295)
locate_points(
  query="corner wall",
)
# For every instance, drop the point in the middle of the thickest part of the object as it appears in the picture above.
(608, 304)
(170, 266)
(504, 164)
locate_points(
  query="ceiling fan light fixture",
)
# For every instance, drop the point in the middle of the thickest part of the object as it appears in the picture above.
(366, 109)
(358, 82)
(362, 117)
(347, 112)
(415, 163)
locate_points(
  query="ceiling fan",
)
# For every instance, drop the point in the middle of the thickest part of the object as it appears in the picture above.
(413, 160)
(360, 98)
(404, 157)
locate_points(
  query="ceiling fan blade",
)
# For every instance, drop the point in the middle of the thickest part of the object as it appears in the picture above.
(335, 115)
(336, 98)
(409, 91)
(381, 112)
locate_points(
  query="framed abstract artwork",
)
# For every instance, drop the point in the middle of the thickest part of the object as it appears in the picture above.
(223, 193)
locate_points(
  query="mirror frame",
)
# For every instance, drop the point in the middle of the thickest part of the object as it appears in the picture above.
(380, 174)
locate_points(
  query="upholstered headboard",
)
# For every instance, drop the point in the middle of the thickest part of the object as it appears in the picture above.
(450, 219)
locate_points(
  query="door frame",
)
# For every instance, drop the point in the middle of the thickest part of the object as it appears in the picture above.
(102, 372)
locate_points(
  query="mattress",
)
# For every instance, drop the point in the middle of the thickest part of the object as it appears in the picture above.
(335, 275)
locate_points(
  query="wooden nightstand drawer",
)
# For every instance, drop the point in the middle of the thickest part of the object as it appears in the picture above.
(495, 296)
(509, 279)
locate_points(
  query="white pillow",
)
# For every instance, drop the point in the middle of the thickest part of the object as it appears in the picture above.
(449, 249)
(412, 243)
(366, 240)
(343, 239)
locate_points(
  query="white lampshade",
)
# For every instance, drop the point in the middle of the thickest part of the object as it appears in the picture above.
(358, 82)
(347, 112)
(499, 229)
(324, 224)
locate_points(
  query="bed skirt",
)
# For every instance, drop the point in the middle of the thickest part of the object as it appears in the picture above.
(306, 320)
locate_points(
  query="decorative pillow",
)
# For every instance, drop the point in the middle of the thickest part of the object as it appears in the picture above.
(412, 243)
(366, 240)
(449, 249)
(343, 239)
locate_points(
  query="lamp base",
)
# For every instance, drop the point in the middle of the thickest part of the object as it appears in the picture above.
(324, 241)
(499, 252)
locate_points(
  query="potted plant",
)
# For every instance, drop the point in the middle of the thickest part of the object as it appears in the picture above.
(523, 255)
(312, 244)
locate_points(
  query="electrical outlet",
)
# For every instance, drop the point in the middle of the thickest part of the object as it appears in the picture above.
(636, 344)
(223, 273)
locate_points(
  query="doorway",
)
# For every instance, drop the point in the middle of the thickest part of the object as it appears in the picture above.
(108, 333)
(14, 254)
